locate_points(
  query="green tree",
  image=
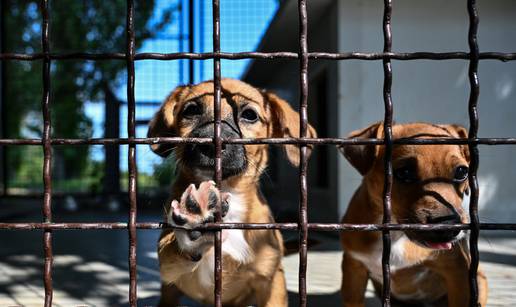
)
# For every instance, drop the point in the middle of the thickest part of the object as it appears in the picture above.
(75, 26)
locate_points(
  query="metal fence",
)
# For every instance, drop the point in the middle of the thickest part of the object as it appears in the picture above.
(303, 56)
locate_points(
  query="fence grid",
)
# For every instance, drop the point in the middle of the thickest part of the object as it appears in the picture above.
(303, 226)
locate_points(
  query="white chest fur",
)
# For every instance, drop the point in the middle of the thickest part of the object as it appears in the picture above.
(233, 245)
(398, 260)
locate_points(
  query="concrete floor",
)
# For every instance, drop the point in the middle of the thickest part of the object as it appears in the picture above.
(90, 267)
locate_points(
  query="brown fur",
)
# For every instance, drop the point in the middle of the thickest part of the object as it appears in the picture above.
(261, 280)
(447, 270)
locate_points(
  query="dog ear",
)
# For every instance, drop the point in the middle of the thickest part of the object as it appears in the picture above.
(362, 157)
(286, 124)
(463, 134)
(163, 123)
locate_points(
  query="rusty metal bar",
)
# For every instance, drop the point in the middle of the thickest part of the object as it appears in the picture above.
(191, 35)
(131, 132)
(473, 149)
(257, 141)
(387, 127)
(4, 176)
(283, 226)
(303, 165)
(218, 149)
(47, 153)
(366, 56)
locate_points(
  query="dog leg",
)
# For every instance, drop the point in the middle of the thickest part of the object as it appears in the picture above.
(454, 268)
(172, 262)
(460, 295)
(170, 296)
(354, 282)
(458, 289)
(196, 206)
(272, 293)
(482, 287)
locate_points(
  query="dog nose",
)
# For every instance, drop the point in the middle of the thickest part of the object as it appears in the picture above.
(194, 235)
(446, 219)
(209, 149)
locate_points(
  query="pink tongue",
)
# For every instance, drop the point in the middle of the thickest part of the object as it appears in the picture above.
(447, 245)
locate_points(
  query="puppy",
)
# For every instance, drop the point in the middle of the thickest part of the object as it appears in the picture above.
(252, 271)
(428, 188)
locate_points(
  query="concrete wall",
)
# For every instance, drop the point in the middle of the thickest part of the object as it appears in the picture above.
(323, 204)
(433, 91)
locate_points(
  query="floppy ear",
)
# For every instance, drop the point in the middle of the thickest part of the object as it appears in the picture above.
(286, 124)
(362, 157)
(463, 134)
(163, 123)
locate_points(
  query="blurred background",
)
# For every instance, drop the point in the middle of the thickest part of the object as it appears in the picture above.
(89, 100)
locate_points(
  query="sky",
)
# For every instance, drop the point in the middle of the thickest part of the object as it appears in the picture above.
(243, 23)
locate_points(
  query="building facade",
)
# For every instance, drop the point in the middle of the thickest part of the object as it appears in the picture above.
(347, 95)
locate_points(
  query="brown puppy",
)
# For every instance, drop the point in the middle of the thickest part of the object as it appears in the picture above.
(429, 185)
(252, 270)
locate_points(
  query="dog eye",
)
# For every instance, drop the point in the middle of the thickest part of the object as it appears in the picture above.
(192, 109)
(461, 174)
(405, 174)
(249, 115)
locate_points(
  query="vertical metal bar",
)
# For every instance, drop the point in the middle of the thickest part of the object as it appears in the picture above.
(111, 180)
(473, 148)
(131, 132)
(218, 147)
(3, 116)
(201, 38)
(47, 153)
(181, 40)
(387, 126)
(303, 165)
(191, 36)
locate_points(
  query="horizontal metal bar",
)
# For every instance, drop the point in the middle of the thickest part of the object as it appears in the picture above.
(247, 141)
(371, 56)
(404, 56)
(62, 56)
(284, 226)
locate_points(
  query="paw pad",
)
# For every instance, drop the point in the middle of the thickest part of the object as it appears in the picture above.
(198, 206)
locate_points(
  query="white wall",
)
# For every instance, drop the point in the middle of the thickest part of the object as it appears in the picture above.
(433, 91)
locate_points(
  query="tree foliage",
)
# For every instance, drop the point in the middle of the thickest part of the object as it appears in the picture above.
(75, 26)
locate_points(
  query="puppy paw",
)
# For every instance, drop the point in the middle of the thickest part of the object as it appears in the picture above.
(197, 206)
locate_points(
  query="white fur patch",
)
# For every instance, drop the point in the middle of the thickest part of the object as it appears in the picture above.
(234, 243)
(373, 259)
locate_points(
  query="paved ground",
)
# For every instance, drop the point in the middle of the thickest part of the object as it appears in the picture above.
(90, 268)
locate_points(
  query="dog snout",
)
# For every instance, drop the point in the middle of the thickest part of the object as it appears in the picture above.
(209, 150)
(194, 235)
(445, 235)
(446, 219)
(440, 236)
(202, 156)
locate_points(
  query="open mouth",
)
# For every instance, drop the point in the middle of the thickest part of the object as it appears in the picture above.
(435, 240)
(207, 170)
(201, 160)
(440, 245)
